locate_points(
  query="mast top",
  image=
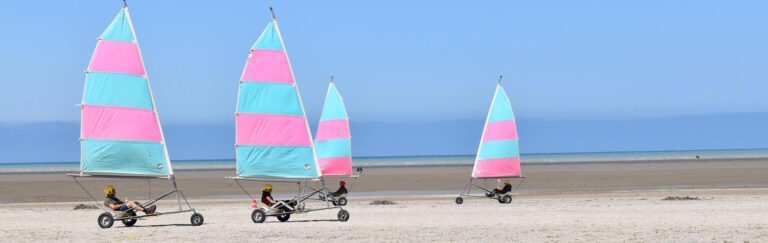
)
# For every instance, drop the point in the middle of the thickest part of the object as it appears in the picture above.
(125, 4)
(272, 12)
(500, 79)
(331, 78)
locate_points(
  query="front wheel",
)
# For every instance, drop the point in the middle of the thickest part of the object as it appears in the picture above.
(258, 216)
(506, 199)
(196, 219)
(130, 221)
(106, 220)
(343, 215)
(283, 217)
(459, 200)
(342, 201)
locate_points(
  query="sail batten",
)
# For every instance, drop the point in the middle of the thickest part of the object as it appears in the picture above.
(120, 131)
(272, 133)
(499, 153)
(333, 140)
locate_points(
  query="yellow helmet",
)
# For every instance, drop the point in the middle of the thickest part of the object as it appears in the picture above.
(109, 190)
(507, 181)
(267, 187)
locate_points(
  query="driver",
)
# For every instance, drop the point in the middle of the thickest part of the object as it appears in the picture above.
(507, 188)
(116, 204)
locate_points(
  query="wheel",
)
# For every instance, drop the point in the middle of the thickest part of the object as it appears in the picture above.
(459, 200)
(196, 219)
(132, 221)
(343, 215)
(506, 199)
(258, 216)
(300, 207)
(283, 217)
(106, 220)
(342, 201)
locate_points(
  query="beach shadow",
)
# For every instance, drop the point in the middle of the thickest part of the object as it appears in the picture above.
(153, 225)
(302, 221)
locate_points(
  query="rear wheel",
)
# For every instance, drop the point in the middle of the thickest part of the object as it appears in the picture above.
(342, 201)
(258, 216)
(343, 215)
(283, 217)
(130, 221)
(506, 199)
(106, 220)
(459, 200)
(196, 219)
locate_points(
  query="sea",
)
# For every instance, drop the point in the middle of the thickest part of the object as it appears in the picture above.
(436, 160)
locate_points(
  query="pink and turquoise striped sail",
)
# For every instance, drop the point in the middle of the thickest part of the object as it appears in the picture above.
(272, 133)
(120, 133)
(499, 154)
(333, 140)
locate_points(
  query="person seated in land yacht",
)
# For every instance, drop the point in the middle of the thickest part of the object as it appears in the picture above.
(112, 202)
(501, 191)
(266, 198)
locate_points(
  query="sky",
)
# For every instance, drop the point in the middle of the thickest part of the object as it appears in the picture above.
(401, 65)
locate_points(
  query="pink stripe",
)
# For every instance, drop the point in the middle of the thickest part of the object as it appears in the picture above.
(117, 56)
(270, 129)
(336, 128)
(115, 122)
(497, 130)
(336, 166)
(497, 167)
(267, 65)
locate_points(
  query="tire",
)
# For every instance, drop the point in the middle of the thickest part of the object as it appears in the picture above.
(130, 222)
(106, 220)
(459, 200)
(196, 219)
(283, 217)
(506, 199)
(343, 215)
(258, 216)
(342, 201)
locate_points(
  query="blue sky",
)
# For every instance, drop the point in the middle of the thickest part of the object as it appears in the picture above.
(411, 62)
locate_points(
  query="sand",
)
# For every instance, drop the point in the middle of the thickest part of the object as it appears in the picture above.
(736, 215)
(558, 202)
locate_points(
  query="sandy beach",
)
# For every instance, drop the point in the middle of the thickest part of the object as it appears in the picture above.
(558, 202)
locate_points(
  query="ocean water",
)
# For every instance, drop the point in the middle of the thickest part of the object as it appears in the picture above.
(63, 167)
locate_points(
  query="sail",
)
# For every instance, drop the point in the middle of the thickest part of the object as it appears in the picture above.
(272, 133)
(333, 140)
(499, 154)
(120, 132)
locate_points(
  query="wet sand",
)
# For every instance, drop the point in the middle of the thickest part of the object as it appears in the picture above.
(444, 180)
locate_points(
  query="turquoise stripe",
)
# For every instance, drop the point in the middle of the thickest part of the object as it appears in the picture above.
(123, 157)
(119, 29)
(269, 39)
(277, 161)
(501, 109)
(272, 98)
(102, 88)
(506, 148)
(337, 147)
(334, 106)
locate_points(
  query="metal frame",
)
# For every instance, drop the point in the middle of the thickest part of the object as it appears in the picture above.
(151, 201)
(467, 191)
(298, 199)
